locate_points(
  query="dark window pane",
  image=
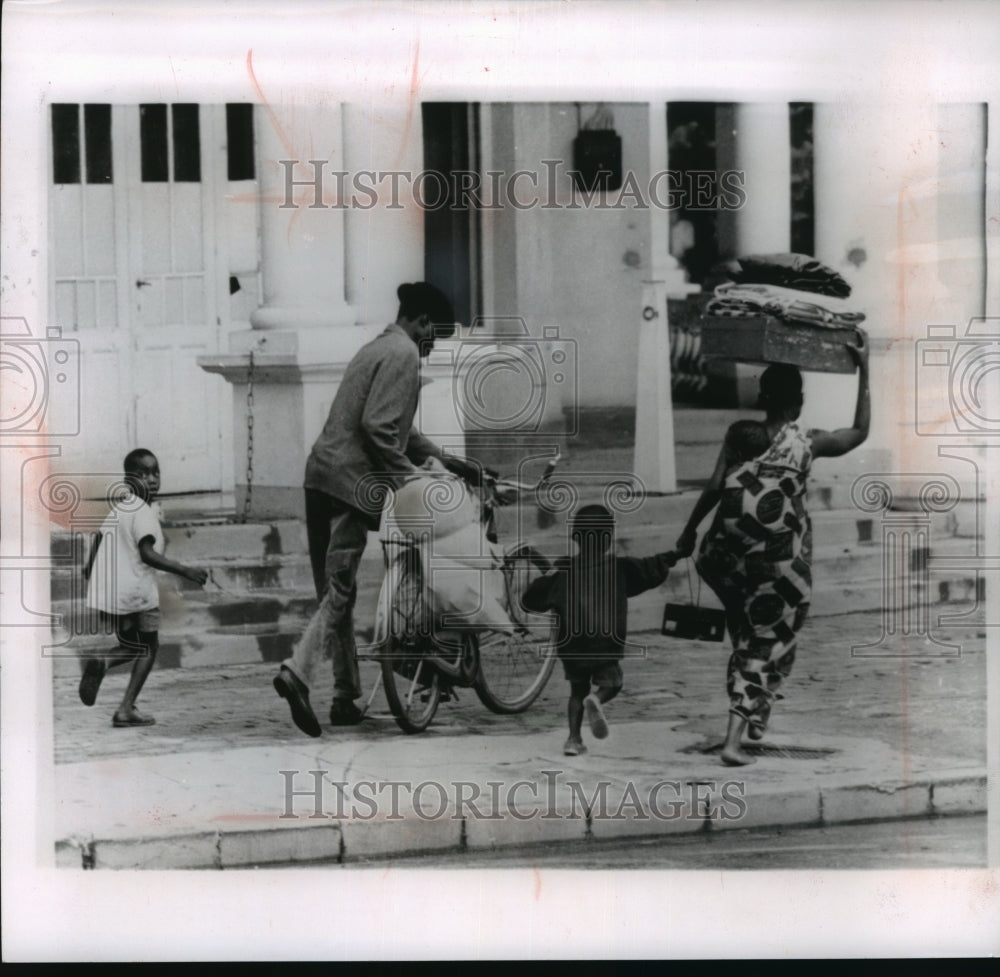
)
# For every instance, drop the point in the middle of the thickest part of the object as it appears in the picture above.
(97, 140)
(803, 208)
(65, 143)
(187, 145)
(239, 141)
(153, 142)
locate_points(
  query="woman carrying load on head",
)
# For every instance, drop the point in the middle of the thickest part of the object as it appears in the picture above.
(757, 555)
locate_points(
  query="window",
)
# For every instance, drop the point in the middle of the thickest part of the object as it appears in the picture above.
(153, 142)
(803, 208)
(90, 154)
(181, 147)
(239, 141)
(187, 144)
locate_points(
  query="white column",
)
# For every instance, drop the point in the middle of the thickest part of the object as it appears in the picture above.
(762, 150)
(302, 227)
(304, 333)
(655, 463)
(385, 243)
(755, 138)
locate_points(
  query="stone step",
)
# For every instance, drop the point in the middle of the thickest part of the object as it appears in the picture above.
(207, 542)
(275, 548)
(200, 628)
(207, 610)
(235, 577)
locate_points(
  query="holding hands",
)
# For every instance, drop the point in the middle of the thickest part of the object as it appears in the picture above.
(685, 544)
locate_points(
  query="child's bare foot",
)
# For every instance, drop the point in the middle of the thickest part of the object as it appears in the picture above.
(736, 758)
(595, 717)
(574, 747)
(90, 683)
(131, 718)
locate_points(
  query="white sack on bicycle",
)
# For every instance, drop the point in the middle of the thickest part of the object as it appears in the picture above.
(462, 569)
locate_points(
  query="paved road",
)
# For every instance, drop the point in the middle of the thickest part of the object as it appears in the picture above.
(952, 843)
(921, 704)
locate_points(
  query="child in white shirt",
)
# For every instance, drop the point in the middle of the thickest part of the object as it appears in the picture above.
(122, 586)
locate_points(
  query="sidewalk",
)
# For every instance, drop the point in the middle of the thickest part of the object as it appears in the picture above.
(855, 739)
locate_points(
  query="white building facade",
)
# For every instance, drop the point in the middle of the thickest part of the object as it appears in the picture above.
(187, 237)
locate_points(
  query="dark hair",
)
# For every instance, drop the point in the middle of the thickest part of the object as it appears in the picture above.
(747, 439)
(131, 463)
(780, 387)
(422, 298)
(592, 518)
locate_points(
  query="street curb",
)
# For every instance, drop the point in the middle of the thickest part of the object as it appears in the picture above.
(356, 841)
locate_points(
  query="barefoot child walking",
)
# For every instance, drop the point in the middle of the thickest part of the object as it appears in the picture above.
(122, 586)
(589, 594)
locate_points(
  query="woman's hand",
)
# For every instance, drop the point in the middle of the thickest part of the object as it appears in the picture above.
(861, 349)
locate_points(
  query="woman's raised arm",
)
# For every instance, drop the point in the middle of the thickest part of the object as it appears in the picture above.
(831, 444)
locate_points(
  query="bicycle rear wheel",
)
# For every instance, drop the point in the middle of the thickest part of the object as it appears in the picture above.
(514, 668)
(412, 687)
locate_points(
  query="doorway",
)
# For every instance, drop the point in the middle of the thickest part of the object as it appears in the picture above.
(134, 199)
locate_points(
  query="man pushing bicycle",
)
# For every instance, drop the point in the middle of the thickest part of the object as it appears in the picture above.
(367, 445)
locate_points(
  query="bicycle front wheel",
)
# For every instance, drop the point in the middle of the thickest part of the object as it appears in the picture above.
(513, 668)
(412, 684)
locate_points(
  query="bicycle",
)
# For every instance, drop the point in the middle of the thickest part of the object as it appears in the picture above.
(426, 654)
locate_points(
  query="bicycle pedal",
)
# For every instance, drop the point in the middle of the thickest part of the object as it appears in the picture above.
(449, 695)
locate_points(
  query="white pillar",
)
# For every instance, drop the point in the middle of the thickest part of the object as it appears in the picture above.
(762, 144)
(302, 228)
(385, 243)
(655, 463)
(755, 139)
(304, 332)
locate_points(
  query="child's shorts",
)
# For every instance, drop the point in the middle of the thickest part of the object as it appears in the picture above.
(130, 623)
(605, 673)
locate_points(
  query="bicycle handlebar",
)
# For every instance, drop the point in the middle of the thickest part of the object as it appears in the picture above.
(493, 484)
(498, 485)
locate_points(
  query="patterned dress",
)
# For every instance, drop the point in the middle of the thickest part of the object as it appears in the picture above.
(757, 557)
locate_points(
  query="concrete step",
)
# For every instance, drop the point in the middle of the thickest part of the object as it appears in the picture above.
(199, 542)
(273, 546)
(238, 577)
(260, 593)
(211, 629)
(208, 610)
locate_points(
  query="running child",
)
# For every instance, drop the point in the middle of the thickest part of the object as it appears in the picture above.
(122, 586)
(589, 594)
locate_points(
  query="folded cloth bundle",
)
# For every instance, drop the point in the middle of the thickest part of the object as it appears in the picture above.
(798, 271)
(792, 305)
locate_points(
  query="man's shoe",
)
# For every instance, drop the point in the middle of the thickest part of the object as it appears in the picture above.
(344, 712)
(288, 685)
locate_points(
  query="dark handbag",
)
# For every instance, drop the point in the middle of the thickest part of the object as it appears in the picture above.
(693, 622)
